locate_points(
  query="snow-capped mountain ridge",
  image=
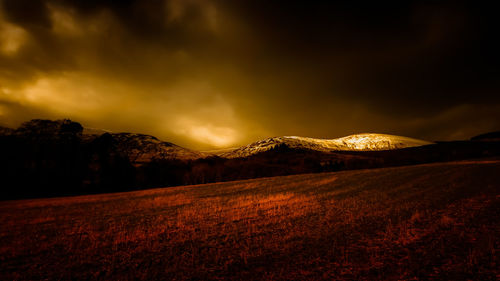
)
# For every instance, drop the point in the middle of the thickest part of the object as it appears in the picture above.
(358, 142)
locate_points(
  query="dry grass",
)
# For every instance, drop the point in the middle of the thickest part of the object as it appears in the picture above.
(435, 221)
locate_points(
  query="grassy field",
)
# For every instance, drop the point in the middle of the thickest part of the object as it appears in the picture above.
(436, 221)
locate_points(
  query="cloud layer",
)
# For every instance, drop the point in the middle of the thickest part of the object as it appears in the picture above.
(210, 74)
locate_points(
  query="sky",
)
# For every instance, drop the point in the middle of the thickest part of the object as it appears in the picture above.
(212, 74)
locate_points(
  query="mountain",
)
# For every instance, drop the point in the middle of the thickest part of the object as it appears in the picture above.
(94, 132)
(138, 148)
(45, 158)
(142, 149)
(491, 136)
(358, 142)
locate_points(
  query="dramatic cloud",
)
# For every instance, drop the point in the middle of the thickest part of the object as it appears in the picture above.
(208, 74)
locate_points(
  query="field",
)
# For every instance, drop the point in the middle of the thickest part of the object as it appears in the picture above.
(433, 221)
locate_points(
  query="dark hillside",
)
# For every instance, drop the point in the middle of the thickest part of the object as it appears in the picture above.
(44, 158)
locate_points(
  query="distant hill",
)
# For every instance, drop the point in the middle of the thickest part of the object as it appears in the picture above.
(492, 136)
(45, 158)
(139, 148)
(144, 148)
(51, 158)
(358, 142)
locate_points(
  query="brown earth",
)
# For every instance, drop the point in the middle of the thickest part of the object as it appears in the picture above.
(433, 221)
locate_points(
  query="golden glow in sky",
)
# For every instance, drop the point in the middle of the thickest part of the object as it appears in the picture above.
(12, 37)
(207, 74)
(207, 133)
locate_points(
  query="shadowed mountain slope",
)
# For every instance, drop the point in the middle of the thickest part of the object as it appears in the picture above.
(491, 136)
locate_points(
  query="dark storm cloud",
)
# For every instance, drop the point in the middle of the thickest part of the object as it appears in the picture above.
(228, 72)
(391, 55)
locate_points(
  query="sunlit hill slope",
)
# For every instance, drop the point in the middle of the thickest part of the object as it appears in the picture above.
(358, 142)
